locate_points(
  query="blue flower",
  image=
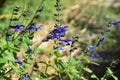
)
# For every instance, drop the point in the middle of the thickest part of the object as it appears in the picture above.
(66, 41)
(16, 58)
(93, 56)
(30, 50)
(91, 47)
(60, 48)
(26, 77)
(116, 23)
(7, 36)
(62, 29)
(32, 27)
(38, 27)
(102, 39)
(18, 28)
(18, 61)
(57, 33)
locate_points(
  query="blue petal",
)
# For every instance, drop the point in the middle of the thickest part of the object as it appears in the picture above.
(7, 36)
(16, 58)
(26, 77)
(30, 50)
(30, 28)
(38, 27)
(102, 40)
(60, 48)
(66, 41)
(17, 28)
(116, 23)
(20, 63)
(93, 56)
(91, 47)
(59, 32)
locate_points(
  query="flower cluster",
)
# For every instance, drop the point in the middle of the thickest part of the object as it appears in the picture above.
(18, 27)
(94, 56)
(92, 48)
(33, 27)
(57, 33)
(23, 38)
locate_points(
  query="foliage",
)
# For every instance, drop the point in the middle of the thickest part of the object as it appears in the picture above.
(19, 54)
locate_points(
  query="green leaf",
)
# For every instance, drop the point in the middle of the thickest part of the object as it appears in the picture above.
(103, 78)
(59, 64)
(13, 48)
(115, 78)
(94, 76)
(8, 55)
(87, 70)
(3, 60)
(62, 65)
(37, 50)
(72, 61)
(75, 73)
(109, 71)
(83, 78)
(57, 53)
(24, 51)
(27, 41)
(94, 63)
(27, 65)
(4, 43)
